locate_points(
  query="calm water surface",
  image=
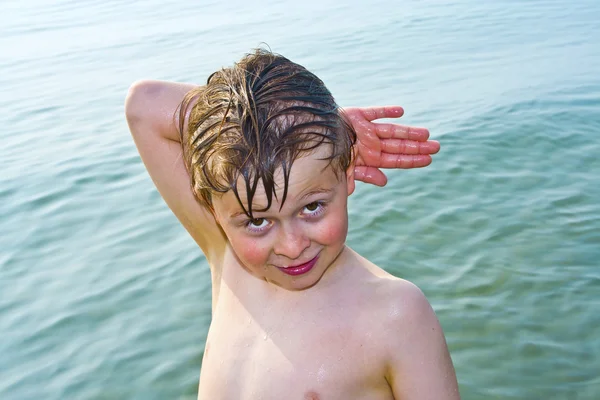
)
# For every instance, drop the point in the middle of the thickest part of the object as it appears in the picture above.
(104, 296)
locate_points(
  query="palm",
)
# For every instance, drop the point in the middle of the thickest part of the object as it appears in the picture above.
(381, 145)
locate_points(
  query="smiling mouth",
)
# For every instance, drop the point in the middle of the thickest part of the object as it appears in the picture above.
(300, 269)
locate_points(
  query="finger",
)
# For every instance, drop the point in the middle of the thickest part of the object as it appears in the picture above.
(404, 161)
(370, 175)
(400, 146)
(397, 131)
(373, 113)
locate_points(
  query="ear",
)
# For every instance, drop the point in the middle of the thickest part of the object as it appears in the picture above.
(350, 179)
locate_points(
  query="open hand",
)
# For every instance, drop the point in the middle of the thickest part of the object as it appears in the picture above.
(381, 145)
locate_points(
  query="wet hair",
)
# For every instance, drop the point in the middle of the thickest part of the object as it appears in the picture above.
(255, 118)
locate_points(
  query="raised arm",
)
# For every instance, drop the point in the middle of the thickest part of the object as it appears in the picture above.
(150, 109)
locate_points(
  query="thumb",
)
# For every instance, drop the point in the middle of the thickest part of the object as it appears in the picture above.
(371, 175)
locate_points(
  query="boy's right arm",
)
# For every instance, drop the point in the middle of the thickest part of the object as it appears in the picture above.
(151, 109)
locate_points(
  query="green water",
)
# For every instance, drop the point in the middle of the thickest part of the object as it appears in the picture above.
(104, 296)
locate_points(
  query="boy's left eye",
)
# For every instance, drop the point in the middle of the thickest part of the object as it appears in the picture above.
(312, 206)
(313, 209)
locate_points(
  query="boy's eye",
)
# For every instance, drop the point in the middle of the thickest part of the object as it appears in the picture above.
(312, 206)
(258, 222)
(313, 209)
(257, 225)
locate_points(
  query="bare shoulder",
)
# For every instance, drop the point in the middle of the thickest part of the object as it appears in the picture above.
(407, 302)
(401, 305)
(394, 299)
(417, 360)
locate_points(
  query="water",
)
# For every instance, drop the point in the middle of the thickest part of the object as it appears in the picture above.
(104, 296)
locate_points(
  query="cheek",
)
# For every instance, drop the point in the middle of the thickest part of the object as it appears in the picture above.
(333, 230)
(250, 251)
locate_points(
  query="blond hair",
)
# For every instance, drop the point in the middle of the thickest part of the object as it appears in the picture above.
(255, 118)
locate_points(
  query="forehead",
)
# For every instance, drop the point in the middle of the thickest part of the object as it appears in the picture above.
(309, 173)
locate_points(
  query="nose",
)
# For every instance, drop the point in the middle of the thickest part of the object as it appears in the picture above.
(291, 241)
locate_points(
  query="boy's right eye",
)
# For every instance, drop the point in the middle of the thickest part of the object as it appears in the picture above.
(257, 224)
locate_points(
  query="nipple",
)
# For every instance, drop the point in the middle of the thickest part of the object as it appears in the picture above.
(311, 395)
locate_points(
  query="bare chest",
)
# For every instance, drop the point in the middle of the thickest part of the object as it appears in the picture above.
(290, 357)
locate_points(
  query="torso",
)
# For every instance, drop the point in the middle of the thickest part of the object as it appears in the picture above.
(315, 344)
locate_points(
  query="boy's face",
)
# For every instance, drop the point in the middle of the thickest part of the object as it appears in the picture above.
(294, 246)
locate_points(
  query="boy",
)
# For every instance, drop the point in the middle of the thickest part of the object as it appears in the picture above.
(271, 160)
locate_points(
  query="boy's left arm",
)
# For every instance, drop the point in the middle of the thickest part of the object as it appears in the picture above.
(419, 365)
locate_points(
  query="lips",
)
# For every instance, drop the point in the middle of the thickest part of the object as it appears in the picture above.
(299, 269)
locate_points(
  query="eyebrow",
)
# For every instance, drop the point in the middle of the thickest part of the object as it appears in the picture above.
(238, 213)
(303, 197)
(316, 191)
